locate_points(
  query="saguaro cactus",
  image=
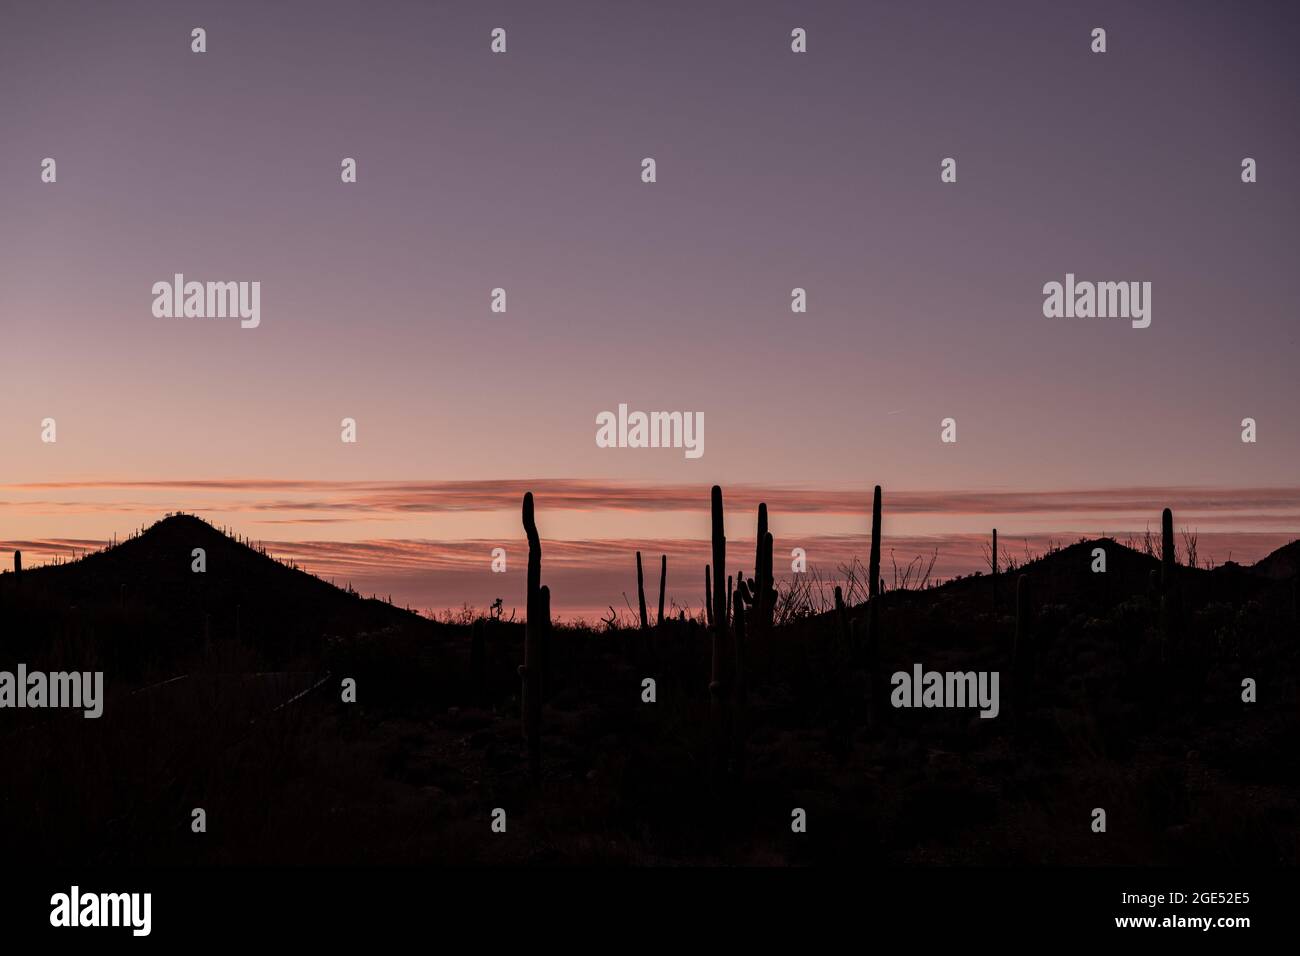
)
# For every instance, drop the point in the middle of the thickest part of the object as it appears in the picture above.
(763, 593)
(640, 591)
(717, 678)
(719, 566)
(663, 583)
(873, 577)
(18, 567)
(1168, 589)
(531, 670)
(708, 597)
(769, 601)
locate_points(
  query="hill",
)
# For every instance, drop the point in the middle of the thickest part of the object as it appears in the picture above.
(145, 598)
(1282, 563)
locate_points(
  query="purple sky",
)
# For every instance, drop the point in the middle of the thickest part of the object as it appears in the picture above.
(521, 170)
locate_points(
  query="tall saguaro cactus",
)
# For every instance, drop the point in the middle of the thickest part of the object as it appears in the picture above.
(531, 670)
(1168, 589)
(873, 581)
(717, 678)
(720, 591)
(708, 597)
(18, 567)
(640, 591)
(758, 592)
(764, 596)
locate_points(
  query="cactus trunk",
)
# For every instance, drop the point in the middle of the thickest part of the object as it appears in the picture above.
(763, 602)
(717, 679)
(719, 566)
(874, 567)
(531, 671)
(769, 601)
(640, 591)
(708, 597)
(1168, 589)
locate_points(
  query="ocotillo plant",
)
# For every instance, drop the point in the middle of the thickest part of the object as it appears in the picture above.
(708, 597)
(531, 670)
(663, 584)
(640, 591)
(873, 577)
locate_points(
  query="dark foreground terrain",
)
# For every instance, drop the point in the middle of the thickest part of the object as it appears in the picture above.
(224, 692)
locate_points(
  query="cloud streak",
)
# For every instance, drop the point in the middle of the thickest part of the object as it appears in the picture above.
(312, 501)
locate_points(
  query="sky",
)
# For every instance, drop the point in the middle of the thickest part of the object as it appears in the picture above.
(522, 170)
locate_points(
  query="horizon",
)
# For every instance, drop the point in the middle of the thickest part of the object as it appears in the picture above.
(440, 574)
